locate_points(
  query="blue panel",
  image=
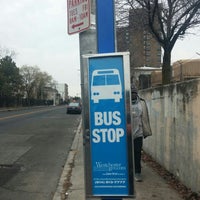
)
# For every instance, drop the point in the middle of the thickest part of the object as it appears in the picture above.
(105, 26)
(108, 127)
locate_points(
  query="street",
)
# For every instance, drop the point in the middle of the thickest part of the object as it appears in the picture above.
(34, 145)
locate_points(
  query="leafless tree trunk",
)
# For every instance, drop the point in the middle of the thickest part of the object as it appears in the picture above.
(168, 20)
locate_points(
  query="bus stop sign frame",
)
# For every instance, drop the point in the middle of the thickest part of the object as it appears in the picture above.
(108, 139)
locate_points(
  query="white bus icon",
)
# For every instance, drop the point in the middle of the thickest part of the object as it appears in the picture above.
(106, 84)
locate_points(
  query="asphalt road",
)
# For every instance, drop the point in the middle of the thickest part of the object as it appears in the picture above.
(34, 146)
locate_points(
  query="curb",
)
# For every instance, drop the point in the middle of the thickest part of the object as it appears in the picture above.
(65, 179)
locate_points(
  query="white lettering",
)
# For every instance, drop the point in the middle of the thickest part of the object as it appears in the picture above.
(119, 133)
(96, 138)
(103, 131)
(111, 135)
(98, 118)
(107, 118)
(107, 135)
(116, 118)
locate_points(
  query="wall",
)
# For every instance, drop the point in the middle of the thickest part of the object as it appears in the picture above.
(175, 121)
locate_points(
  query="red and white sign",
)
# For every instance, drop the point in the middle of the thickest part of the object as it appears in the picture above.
(78, 13)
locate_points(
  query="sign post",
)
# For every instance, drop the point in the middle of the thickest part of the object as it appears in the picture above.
(78, 15)
(107, 137)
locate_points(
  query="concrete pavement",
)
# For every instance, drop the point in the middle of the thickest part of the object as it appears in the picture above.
(153, 186)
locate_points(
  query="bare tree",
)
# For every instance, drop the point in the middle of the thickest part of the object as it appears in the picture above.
(29, 74)
(168, 21)
(42, 80)
(35, 81)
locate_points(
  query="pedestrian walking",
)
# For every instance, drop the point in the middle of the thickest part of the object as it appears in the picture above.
(140, 128)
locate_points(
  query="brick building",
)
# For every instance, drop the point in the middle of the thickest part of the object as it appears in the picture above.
(144, 49)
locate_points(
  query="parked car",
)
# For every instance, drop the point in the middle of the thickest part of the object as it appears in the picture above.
(74, 107)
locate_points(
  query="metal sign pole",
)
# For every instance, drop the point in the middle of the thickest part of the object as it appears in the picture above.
(105, 24)
(105, 83)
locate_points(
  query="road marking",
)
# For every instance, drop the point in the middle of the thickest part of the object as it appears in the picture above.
(22, 114)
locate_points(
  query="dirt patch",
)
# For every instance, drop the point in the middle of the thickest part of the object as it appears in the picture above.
(67, 182)
(184, 192)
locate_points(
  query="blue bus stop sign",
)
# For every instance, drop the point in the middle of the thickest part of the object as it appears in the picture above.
(108, 135)
(105, 22)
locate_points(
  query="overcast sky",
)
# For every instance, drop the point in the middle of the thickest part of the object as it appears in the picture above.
(37, 32)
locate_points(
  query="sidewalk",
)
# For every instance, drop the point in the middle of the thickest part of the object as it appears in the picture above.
(153, 186)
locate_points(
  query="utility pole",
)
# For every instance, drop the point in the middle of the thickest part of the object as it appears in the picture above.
(87, 45)
(98, 55)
